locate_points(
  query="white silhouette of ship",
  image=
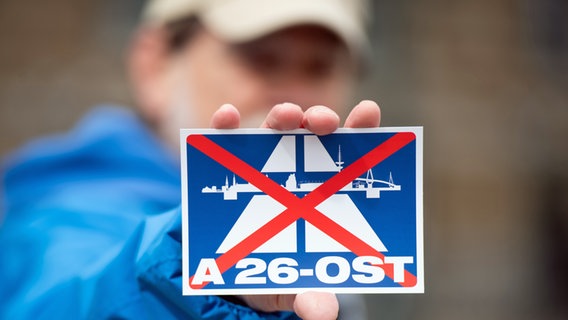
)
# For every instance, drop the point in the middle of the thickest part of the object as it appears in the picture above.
(339, 207)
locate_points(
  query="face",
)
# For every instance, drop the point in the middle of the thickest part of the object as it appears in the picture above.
(304, 65)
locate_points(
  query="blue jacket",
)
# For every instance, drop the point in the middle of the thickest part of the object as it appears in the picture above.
(91, 228)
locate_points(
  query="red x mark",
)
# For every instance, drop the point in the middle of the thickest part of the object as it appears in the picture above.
(297, 208)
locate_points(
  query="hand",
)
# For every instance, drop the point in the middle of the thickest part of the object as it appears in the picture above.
(320, 120)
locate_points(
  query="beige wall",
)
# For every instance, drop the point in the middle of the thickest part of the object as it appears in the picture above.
(478, 75)
(494, 104)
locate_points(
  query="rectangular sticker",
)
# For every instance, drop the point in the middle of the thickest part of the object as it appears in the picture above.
(267, 211)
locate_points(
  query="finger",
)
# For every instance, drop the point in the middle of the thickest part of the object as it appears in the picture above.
(320, 120)
(367, 114)
(284, 116)
(271, 302)
(226, 117)
(316, 306)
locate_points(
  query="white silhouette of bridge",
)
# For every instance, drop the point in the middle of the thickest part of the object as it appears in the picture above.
(283, 159)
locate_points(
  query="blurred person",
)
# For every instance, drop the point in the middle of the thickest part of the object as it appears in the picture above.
(92, 224)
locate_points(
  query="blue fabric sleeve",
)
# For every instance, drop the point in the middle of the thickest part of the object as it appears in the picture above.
(155, 285)
(140, 279)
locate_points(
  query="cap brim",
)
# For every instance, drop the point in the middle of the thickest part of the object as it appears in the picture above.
(235, 22)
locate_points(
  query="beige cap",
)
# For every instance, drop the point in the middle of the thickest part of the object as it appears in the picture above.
(245, 20)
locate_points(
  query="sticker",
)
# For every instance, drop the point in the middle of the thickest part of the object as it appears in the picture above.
(267, 211)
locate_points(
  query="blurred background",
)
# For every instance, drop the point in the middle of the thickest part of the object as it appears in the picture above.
(488, 80)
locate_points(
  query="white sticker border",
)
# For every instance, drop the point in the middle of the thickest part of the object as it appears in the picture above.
(418, 288)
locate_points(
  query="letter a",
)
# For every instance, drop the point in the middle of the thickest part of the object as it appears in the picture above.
(207, 271)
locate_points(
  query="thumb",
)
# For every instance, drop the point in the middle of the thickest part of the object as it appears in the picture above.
(270, 302)
(316, 306)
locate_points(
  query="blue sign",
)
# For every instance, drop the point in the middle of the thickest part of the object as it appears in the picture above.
(269, 211)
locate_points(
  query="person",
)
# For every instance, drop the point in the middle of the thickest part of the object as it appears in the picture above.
(91, 217)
